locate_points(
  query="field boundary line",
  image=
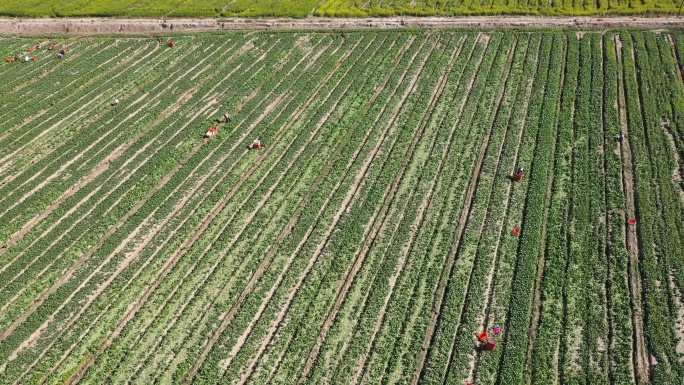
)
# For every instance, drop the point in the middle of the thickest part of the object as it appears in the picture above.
(94, 26)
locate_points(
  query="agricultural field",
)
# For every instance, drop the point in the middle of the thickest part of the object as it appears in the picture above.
(375, 234)
(329, 8)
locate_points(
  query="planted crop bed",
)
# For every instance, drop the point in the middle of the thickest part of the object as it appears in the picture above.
(377, 232)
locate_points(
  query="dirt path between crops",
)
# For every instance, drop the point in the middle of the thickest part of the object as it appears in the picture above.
(640, 355)
(91, 26)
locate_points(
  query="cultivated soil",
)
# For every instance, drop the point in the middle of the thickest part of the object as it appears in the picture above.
(90, 26)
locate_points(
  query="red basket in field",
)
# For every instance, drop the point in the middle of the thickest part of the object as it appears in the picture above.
(632, 221)
(516, 231)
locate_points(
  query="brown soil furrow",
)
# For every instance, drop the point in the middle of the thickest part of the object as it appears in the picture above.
(16, 238)
(445, 154)
(172, 261)
(536, 302)
(116, 153)
(37, 78)
(353, 191)
(135, 276)
(262, 266)
(675, 58)
(44, 132)
(161, 184)
(137, 250)
(66, 215)
(270, 254)
(199, 113)
(483, 314)
(248, 220)
(70, 211)
(465, 213)
(119, 71)
(97, 171)
(379, 224)
(19, 128)
(68, 352)
(382, 85)
(426, 204)
(91, 96)
(640, 355)
(679, 313)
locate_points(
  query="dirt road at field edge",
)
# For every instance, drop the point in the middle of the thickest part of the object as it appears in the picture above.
(90, 26)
